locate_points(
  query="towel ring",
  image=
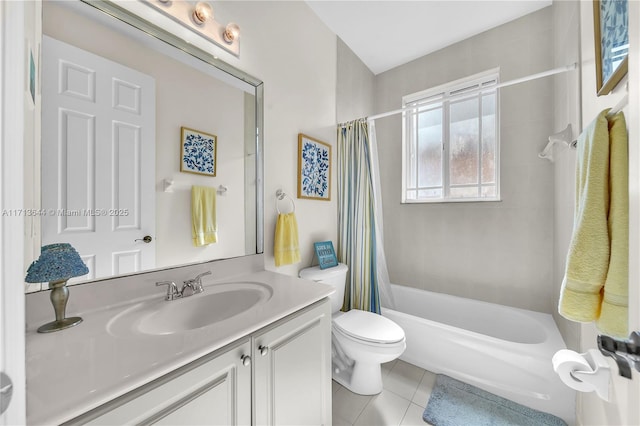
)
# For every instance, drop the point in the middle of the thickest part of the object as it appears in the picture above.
(280, 195)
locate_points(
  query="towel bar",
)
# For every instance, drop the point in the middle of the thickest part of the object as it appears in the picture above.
(280, 195)
(169, 185)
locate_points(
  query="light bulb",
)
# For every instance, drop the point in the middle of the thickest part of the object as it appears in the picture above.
(202, 12)
(231, 32)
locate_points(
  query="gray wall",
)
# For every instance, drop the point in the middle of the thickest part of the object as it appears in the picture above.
(355, 86)
(566, 101)
(494, 251)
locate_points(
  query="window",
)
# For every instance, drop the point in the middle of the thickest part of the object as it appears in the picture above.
(450, 142)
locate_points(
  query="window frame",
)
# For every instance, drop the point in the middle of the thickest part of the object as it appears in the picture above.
(443, 96)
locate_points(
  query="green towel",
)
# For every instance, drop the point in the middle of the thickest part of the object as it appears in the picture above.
(595, 286)
(615, 305)
(588, 257)
(204, 229)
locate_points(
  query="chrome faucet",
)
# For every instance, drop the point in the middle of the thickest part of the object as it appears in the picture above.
(189, 287)
(194, 285)
(172, 290)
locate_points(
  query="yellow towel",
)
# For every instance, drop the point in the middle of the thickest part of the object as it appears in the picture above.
(203, 216)
(588, 256)
(614, 313)
(285, 242)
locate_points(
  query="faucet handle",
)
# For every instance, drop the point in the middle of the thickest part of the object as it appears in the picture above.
(172, 290)
(197, 278)
(198, 281)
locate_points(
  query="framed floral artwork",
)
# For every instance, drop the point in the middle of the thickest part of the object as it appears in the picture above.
(314, 168)
(197, 152)
(611, 30)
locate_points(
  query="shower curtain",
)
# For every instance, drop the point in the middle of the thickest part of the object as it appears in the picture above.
(360, 237)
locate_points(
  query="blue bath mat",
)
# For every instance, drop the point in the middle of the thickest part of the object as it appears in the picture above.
(454, 403)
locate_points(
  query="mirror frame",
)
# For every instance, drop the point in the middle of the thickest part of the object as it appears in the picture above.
(117, 12)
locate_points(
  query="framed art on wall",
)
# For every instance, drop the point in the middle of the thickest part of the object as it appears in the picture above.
(197, 152)
(611, 30)
(314, 168)
(32, 76)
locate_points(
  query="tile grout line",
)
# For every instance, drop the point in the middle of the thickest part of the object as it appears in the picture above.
(418, 387)
(362, 411)
(405, 413)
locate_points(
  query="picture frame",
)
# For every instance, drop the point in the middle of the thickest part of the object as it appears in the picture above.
(326, 254)
(31, 76)
(198, 152)
(314, 168)
(612, 44)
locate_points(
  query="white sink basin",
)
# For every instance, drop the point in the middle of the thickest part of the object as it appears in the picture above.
(218, 303)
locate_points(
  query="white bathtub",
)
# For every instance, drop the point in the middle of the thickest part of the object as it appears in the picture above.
(505, 351)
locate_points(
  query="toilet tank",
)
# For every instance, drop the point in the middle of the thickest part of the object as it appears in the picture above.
(335, 276)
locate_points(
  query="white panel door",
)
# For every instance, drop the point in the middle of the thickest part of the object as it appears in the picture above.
(98, 159)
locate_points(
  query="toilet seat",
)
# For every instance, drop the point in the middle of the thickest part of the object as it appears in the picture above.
(368, 327)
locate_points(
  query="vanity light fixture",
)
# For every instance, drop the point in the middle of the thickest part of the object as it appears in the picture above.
(200, 20)
(202, 13)
(231, 32)
(57, 264)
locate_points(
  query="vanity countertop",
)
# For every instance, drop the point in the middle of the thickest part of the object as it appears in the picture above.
(75, 370)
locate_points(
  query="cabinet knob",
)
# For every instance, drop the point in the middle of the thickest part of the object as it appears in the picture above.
(264, 350)
(246, 360)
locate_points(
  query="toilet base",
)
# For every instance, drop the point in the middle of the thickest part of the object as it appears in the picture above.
(360, 378)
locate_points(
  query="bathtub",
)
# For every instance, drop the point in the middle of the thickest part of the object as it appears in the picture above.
(505, 351)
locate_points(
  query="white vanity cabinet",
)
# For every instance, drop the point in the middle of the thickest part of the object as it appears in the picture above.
(284, 367)
(292, 370)
(212, 391)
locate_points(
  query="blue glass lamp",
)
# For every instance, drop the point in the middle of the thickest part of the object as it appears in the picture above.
(57, 264)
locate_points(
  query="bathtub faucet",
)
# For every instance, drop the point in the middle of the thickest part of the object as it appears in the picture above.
(626, 353)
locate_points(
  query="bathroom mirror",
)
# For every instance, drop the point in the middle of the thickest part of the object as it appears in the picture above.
(115, 189)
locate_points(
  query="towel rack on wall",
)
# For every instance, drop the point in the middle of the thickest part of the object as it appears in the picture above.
(169, 185)
(565, 136)
(620, 105)
(281, 195)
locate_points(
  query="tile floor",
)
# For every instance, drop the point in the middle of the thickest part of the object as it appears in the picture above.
(406, 391)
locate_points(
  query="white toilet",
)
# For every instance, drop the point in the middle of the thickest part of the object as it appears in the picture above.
(361, 340)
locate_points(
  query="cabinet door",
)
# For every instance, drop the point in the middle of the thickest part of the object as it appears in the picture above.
(292, 370)
(216, 391)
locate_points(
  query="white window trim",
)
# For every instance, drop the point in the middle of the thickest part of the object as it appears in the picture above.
(449, 87)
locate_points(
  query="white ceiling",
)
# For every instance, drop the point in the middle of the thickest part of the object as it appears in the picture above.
(388, 33)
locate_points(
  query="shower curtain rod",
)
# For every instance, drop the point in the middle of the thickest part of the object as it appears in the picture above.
(497, 86)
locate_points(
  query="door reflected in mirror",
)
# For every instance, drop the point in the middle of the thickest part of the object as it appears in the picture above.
(114, 100)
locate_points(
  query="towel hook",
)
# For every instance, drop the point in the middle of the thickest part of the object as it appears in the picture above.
(280, 195)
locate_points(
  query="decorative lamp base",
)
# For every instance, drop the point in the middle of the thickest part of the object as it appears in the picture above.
(59, 325)
(59, 297)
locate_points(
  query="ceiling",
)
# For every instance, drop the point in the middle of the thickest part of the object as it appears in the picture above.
(388, 33)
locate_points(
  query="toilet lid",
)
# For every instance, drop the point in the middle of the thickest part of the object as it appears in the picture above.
(369, 327)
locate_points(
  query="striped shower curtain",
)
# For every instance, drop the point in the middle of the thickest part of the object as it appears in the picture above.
(357, 239)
